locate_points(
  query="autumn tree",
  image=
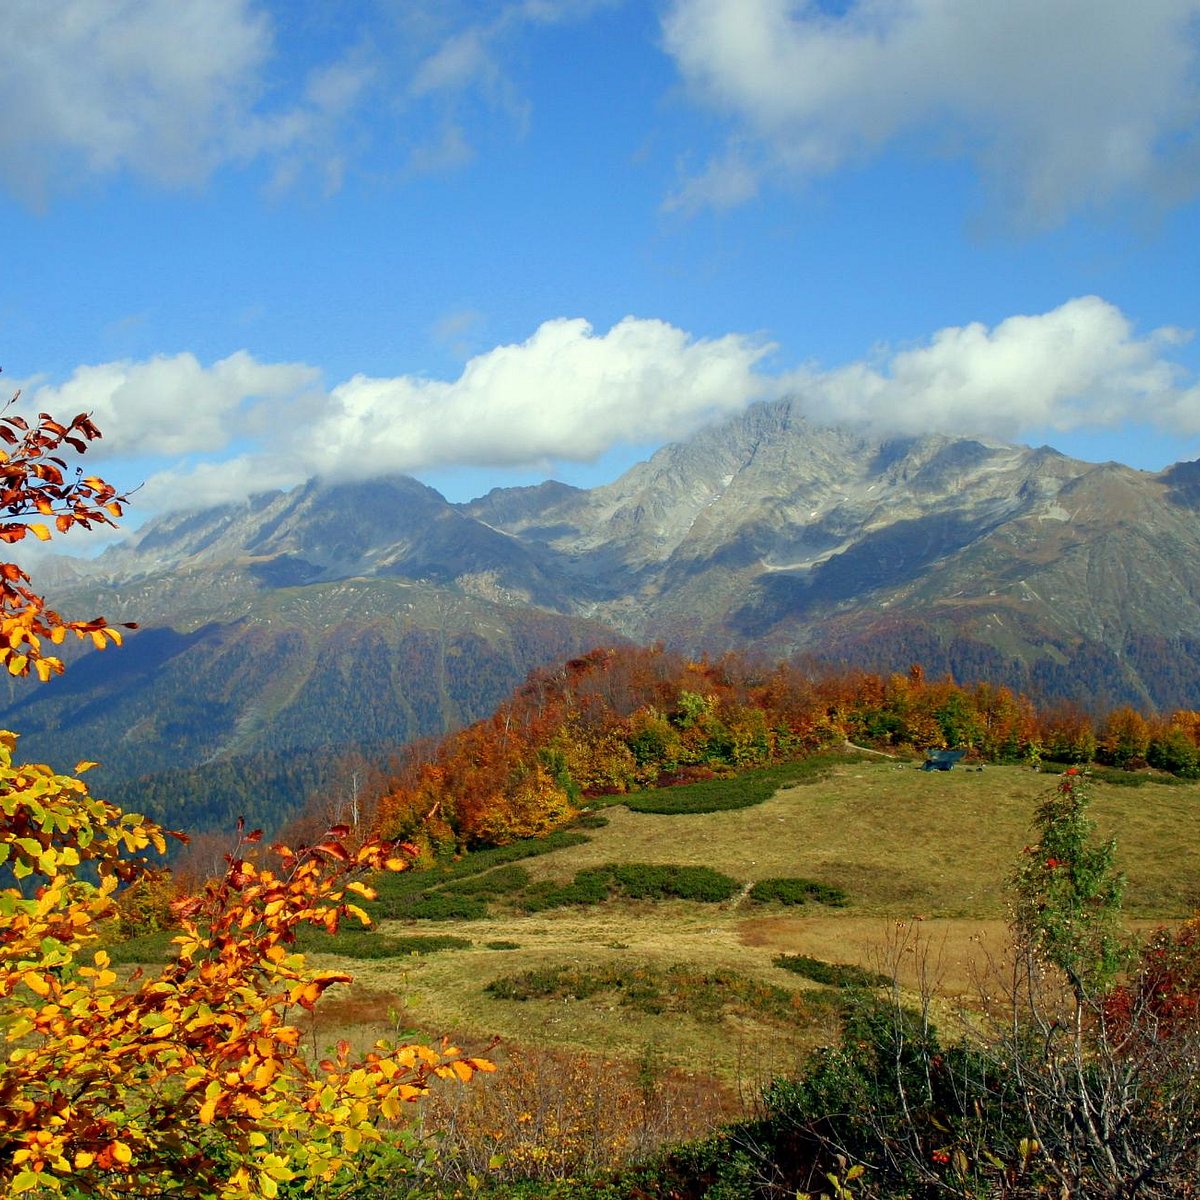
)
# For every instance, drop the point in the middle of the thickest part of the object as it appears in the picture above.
(191, 1082)
(35, 482)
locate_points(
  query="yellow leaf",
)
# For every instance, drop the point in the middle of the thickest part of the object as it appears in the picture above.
(36, 984)
(39, 531)
(84, 1159)
(85, 765)
(121, 1153)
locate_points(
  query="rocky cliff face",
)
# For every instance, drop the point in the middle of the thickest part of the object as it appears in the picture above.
(294, 619)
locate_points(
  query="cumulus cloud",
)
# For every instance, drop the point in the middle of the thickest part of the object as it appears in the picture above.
(1060, 104)
(1082, 365)
(566, 393)
(174, 405)
(570, 394)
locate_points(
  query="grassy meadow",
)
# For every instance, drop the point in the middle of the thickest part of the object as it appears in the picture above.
(922, 856)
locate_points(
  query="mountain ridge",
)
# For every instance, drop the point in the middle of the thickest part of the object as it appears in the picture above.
(335, 603)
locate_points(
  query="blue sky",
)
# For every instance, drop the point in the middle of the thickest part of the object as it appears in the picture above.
(493, 242)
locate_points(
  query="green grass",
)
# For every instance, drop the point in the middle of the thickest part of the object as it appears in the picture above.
(146, 948)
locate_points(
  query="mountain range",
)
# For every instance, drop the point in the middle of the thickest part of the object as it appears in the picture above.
(375, 612)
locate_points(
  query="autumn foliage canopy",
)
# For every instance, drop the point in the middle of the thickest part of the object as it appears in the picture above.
(192, 1081)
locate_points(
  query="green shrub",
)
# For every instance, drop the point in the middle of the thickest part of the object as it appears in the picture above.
(502, 945)
(739, 791)
(366, 944)
(397, 893)
(501, 881)
(635, 881)
(588, 887)
(838, 975)
(441, 906)
(704, 995)
(798, 891)
(591, 820)
(641, 881)
(1119, 777)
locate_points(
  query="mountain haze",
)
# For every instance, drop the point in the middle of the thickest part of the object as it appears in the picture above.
(377, 611)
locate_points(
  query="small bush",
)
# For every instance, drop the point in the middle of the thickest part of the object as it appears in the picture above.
(398, 892)
(704, 995)
(798, 891)
(366, 944)
(500, 881)
(838, 975)
(591, 820)
(635, 881)
(640, 881)
(502, 945)
(441, 906)
(589, 887)
(739, 791)
(1119, 777)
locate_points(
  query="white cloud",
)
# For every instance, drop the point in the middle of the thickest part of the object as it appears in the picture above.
(566, 393)
(167, 89)
(1060, 103)
(173, 90)
(724, 183)
(571, 394)
(1079, 366)
(175, 406)
(158, 86)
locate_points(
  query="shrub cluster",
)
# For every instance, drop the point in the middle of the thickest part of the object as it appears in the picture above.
(367, 944)
(838, 975)
(705, 995)
(501, 881)
(795, 890)
(422, 894)
(635, 881)
(737, 791)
